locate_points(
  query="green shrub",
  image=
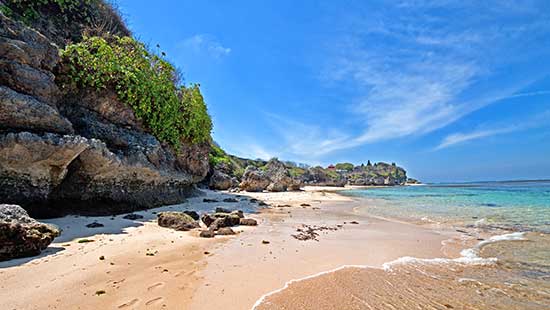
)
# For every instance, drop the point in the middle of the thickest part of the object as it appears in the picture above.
(30, 10)
(296, 172)
(218, 156)
(142, 80)
(344, 166)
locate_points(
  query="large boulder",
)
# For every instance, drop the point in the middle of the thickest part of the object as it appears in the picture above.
(254, 180)
(177, 221)
(220, 181)
(278, 175)
(21, 235)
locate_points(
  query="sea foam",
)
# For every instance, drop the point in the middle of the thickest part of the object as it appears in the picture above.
(467, 256)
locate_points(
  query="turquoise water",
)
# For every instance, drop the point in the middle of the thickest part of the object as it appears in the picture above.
(517, 205)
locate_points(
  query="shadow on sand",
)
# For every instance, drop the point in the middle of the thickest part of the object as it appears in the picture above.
(74, 226)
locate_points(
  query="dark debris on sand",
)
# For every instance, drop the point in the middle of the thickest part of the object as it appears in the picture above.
(311, 232)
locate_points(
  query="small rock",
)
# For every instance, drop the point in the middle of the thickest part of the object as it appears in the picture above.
(209, 200)
(102, 257)
(193, 214)
(132, 216)
(207, 234)
(177, 221)
(305, 205)
(248, 222)
(222, 210)
(284, 206)
(225, 231)
(95, 225)
(263, 204)
(239, 213)
(232, 219)
(354, 222)
(207, 219)
(265, 242)
(230, 200)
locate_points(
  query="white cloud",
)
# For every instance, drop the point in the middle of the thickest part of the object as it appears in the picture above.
(416, 71)
(457, 138)
(538, 120)
(204, 43)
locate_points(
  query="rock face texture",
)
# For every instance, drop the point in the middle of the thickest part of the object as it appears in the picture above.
(254, 180)
(21, 235)
(279, 176)
(221, 181)
(377, 174)
(322, 177)
(177, 221)
(274, 177)
(84, 152)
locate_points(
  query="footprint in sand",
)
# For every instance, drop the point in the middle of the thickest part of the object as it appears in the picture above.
(185, 272)
(154, 301)
(156, 285)
(129, 304)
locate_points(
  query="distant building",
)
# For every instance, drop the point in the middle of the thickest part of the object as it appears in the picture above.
(331, 167)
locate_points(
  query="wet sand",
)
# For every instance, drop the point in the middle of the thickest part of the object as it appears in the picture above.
(244, 269)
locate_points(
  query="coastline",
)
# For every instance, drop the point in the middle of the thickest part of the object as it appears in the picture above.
(230, 272)
(262, 269)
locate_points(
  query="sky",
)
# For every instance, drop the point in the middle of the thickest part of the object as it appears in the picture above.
(450, 90)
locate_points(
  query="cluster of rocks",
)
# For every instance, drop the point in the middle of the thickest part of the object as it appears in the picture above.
(273, 177)
(377, 174)
(217, 223)
(82, 152)
(276, 176)
(21, 235)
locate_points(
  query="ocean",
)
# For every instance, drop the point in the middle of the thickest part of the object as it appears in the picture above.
(507, 262)
(512, 205)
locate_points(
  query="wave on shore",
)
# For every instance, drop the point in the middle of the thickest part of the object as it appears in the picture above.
(470, 280)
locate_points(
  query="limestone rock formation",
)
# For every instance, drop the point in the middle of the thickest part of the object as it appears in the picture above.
(80, 152)
(220, 181)
(21, 235)
(254, 180)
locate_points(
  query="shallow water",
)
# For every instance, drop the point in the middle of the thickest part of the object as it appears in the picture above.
(518, 206)
(506, 264)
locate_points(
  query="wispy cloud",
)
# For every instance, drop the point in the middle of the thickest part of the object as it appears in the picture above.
(421, 71)
(457, 138)
(204, 43)
(539, 120)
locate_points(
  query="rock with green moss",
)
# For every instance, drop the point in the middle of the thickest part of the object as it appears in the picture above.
(177, 221)
(21, 235)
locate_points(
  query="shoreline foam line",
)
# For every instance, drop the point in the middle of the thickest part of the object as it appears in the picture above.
(468, 256)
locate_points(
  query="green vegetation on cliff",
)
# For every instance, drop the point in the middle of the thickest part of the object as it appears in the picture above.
(344, 166)
(65, 21)
(144, 81)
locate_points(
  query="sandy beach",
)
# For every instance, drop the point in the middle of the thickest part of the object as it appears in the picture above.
(139, 265)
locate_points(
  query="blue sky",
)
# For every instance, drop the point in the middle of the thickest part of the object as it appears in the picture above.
(451, 90)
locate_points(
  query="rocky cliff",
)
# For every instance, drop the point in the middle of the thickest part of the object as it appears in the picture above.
(82, 151)
(275, 176)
